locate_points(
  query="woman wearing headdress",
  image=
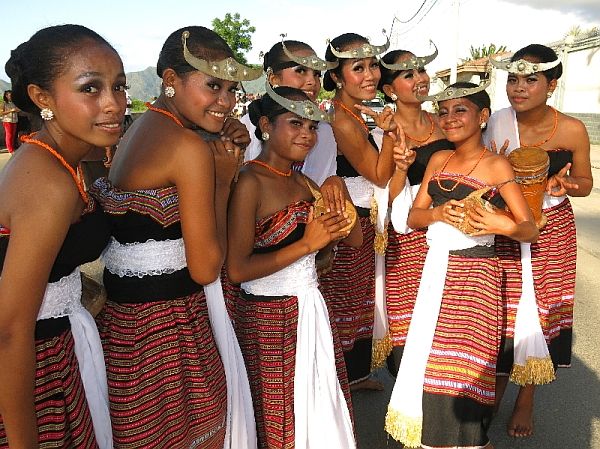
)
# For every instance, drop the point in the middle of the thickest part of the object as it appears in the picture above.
(444, 391)
(286, 332)
(350, 285)
(546, 268)
(405, 82)
(52, 377)
(166, 196)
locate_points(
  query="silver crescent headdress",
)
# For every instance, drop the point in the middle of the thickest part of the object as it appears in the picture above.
(226, 69)
(522, 67)
(310, 61)
(412, 63)
(305, 108)
(451, 93)
(364, 51)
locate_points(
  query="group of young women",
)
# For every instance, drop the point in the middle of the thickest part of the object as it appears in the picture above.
(243, 303)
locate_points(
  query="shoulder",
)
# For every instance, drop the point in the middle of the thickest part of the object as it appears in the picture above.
(573, 124)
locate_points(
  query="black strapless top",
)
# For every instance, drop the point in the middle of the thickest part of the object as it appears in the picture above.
(344, 168)
(558, 159)
(423, 153)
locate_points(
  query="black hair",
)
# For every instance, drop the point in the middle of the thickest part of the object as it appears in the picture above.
(6, 92)
(278, 60)
(267, 107)
(44, 58)
(542, 54)
(388, 76)
(202, 43)
(342, 42)
(481, 99)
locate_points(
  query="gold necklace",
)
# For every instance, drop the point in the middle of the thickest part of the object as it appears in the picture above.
(461, 177)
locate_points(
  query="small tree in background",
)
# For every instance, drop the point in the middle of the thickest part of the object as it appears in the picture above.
(236, 32)
(484, 51)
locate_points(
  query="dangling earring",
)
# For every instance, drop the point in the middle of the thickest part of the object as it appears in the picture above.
(47, 114)
(265, 136)
(338, 85)
(393, 96)
(549, 94)
(170, 91)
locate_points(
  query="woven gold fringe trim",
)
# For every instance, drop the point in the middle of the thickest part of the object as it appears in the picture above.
(381, 238)
(536, 371)
(404, 429)
(381, 349)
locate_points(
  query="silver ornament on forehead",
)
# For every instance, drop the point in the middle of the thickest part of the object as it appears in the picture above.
(365, 50)
(311, 61)
(523, 67)
(413, 63)
(304, 108)
(451, 93)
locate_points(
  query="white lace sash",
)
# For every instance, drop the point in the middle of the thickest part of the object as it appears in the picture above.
(288, 281)
(361, 191)
(63, 298)
(150, 258)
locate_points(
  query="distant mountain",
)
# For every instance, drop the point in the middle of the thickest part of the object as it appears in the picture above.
(144, 85)
(4, 85)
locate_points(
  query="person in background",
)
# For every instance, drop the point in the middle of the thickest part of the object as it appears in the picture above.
(53, 390)
(10, 119)
(128, 120)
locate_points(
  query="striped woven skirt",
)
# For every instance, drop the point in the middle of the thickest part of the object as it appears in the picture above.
(63, 416)
(459, 385)
(349, 290)
(553, 260)
(404, 260)
(165, 377)
(267, 335)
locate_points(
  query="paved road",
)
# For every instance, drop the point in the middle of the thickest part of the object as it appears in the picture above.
(568, 410)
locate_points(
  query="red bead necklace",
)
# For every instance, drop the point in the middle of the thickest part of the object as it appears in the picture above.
(165, 112)
(268, 167)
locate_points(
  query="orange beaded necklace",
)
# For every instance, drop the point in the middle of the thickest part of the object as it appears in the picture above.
(164, 112)
(358, 119)
(53, 152)
(460, 177)
(268, 167)
(414, 139)
(554, 128)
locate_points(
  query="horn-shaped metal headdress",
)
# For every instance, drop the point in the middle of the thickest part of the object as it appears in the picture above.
(412, 63)
(305, 108)
(451, 93)
(227, 69)
(522, 67)
(312, 61)
(364, 51)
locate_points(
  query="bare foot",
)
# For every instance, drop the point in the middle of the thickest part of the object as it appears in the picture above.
(521, 421)
(367, 384)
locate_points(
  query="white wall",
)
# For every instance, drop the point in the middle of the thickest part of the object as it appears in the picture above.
(579, 87)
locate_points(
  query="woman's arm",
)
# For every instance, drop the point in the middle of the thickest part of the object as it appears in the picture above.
(39, 220)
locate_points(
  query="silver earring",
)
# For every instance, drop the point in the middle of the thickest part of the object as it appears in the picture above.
(482, 125)
(338, 85)
(549, 94)
(275, 86)
(170, 91)
(47, 114)
(265, 135)
(393, 96)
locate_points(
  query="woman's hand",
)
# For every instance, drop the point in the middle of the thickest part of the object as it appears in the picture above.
(403, 156)
(502, 150)
(384, 119)
(487, 222)
(451, 212)
(236, 132)
(334, 194)
(227, 156)
(321, 231)
(559, 183)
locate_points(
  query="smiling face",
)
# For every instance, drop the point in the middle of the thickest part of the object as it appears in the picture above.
(88, 98)
(291, 136)
(410, 83)
(461, 119)
(204, 100)
(300, 77)
(526, 92)
(360, 77)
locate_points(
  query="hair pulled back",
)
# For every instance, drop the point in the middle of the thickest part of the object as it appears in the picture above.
(342, 42)
(202, 43)
(267, 107)
(388, 76)
(278, 60)
(44, 58)
(542, 54)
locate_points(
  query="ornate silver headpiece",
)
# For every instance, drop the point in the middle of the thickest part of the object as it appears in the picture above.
(522, 67)
(310, 61)
(226, 69)
(412, 63)
(451, 93)
(305, 108)
(364, 51)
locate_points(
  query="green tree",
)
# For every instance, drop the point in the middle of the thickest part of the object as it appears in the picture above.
(484, 51)
(237, 33)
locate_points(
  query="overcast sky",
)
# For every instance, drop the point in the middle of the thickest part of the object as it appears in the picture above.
(137, 29)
